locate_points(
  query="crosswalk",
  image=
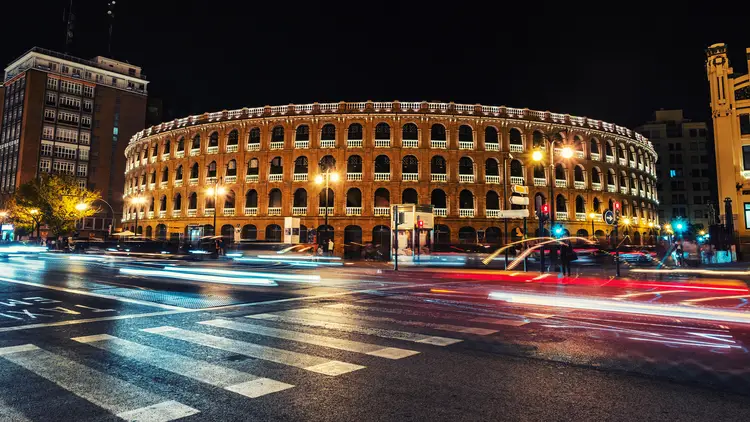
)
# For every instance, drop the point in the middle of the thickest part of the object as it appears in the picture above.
(357, 329)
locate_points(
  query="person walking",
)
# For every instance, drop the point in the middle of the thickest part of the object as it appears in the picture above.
(565, 258)
(330, 247)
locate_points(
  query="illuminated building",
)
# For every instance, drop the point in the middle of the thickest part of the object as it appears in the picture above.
(449, 155)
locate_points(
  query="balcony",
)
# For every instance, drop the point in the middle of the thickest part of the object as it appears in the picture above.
(595, 156)
(209, 212)
(465, 145)
(152, 160)
(275, 177)
(561, 215)
(191, 213)
(253, 146)
(228, 212)
(640, 166)
(328, 143)
(580, 216)
(151, 186)
(410, 177)
(301, 144)
(233, 148)
(611, 188)
(540, 181)
(561, 183)
(354, 211)
(163, 185)
(141, 215)
(230, 179)
(382, 177)
(633, 164)
(354, 143)
(150, 214)
(633, 191)
(274, 211)
(179, 154)
(578, 154)
(622, 161)
(579, 184)
(516, 148)
(165, 156)
(438, 177)
(195, 152)
(491, 146)
(624, 190)
(434, 144)
(635, 221)
(176, 213)
(277, 145)
(163, 214)
(251, 211)
(492, 213)
(252, 178)
(382, 143)
(440, 212)
(466, 178)
(381, 211)
(596, 185)
(648, 195)
(354, 177)
(409, 143)
(211, 180)
(299, 210)
(212, 150)
(492, 179)
(322, 211)
(610, 159)
(466, 212)
(300, 177)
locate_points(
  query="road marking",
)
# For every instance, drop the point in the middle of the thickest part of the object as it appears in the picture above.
(7, 413)
(285, 357)
(92, 294)
(218, 376)
(431, 325)
(332, 342)
(411, 312)
(378, 332)
(89, 320)
(110, 393)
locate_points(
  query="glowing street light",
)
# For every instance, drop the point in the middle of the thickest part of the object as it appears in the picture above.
(567, 152)
(626, 221)
(216, 191)
(82, 206)
(536, 155)
(319, 179)
(592, 217)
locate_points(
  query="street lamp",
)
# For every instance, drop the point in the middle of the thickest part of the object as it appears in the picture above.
(319, 179)
(34, 213)
(137, 201)
(592, 217)
(216, 191)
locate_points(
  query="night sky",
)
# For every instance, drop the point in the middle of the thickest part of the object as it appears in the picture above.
(611, 67)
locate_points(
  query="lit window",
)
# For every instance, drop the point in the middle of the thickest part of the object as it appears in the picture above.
(115, 131)
(672, 173)
(747, 215)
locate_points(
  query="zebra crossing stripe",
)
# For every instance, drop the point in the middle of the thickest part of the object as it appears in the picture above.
(284, 357)
(110, 393)
(332, 342)
(229, 379)
(411, 312)
(349, 328)
(7, 413)
(433, 325)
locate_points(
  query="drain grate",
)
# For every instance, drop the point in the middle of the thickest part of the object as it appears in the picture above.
(181, 299)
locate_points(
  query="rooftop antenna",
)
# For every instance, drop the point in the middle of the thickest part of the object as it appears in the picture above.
(69, 18)
(111, 15)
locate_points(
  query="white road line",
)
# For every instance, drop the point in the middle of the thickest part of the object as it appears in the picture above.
(7, 413)
(432, 325)
(285, 357)
(439, 314)
(332, 342)
(88, 320)
(87, 293)
(378, 332)
(218, 376)
(113, 394)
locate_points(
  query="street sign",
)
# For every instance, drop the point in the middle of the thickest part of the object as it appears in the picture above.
(513, 213)
(519, 200)
(523, 190)
(609, 217)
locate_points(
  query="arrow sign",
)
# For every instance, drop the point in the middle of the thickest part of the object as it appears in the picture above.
(513, 213)
(523, 190)
(609, 217)
(519, 200)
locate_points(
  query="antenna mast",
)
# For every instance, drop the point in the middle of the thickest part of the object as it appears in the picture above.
(69, 19)
(111, 15)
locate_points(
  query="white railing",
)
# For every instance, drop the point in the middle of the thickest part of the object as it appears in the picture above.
(623, 190)
(561, 183)
(274, 211)
(228, 212)
(299, 210)
(491, 109)
(595, 156)
(209, 212)
(301, 144)
(579, 154)
(410, 105)
(561, 215)
(465, 145)
(596, 185)
(440, 212)
(516, 180)
(211, 180)
(176, 213)
(165, 156)
(328, 143)
(275, 177)
(141, 214)
(648, 195)
(437, 177)
(492, 213)
(622, 161)
(354, 177)
(277, 145)
(150, 214)
(151, 186)
(322, 211)
(610, 159)
(611, 188)
(304, 108)
(579, 184)
(251, 211)
(409, 143)
(249, 178)
(491, 179)
(230, 179)
(466, 212)
(354, 143)
(436, 144)
(410, 177)
(163, 214)
(516, 148)
(152, 159)
(254, 146)
(193, 181)
(382, 177)
(212, 150)
(353, 210)
(300, 177)
(163, 185)
(491, 146)
(464, 108)
(191, 213)
(633, 191)
(382, 143)
(640, 166)
(195, 151)
(279, 109)
(179, 154)
(381, 211)
(382, 106)
(635, 221)
(329, 107)
(633, 164)
(233, 114)
(540, 181)
(360, 106)
(580, 216)
(466, 178)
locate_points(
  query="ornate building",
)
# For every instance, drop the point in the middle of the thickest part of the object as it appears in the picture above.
(263, 162)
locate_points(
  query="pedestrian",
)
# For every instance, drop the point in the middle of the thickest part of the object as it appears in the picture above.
(330, 247)
(320, 252)
(565, 259)
(221, 247)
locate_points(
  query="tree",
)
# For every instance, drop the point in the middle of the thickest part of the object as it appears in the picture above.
(55, 199)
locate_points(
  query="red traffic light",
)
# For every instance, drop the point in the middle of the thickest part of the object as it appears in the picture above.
(617, 206)
(420, 224)
(545, 209)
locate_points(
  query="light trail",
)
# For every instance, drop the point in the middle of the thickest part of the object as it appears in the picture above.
(198, 277)
(270, 276)
(688, 271)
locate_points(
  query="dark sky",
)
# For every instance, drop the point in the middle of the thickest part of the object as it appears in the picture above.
(207, 56)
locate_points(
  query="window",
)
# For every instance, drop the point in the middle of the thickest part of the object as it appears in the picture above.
(71, 87)
(83, 154)
(85, 138)
(706, 199)
(48, 132)
(671, 147)
(82, 170)
(87, 105)
(694, 159)
(745, 124)
(698, 214)
(49, 114)
(696, 186)
(82, 184)
(46, 150)
(697, 200)
(66, 135)
(675, 173)
(747, 215)
(86, 121)
(678, 147)
(88, 91)
(52, 83)
(63, 167)
(704, 173)
(70, 102)
(44, 166)
(693, 133)
(65, 152)
(695, 173)
(705, 185)
(704, 159)
(51, 98)
(702, 133)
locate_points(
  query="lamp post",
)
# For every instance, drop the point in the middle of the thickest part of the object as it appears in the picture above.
(137, 201)
(216, 190)
(34, 213)
(592, 216)
(319, 179)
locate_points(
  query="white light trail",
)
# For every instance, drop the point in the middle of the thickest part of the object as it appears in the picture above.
(199, 277)
(269, 276)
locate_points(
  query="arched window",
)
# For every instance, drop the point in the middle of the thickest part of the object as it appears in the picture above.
(165, 174)
(152, 179)
(382, 197)
(328, 132)
(300, 165)
(155, 150)
(596, 205)
(580, 205)
(611, 177)
(326, 200)
(491, 167)
(465, 166)
(193, 201)
(300, 198)
(211, 169)
(277, 134)
(161, 231)
(539, 200)
(410, 132)
(578, 174)
(490, 135)
(229, 200)
(194, 171)
(274, 198)
(442, 234)
(467, 235)
(181, 145)
(327, 163)
(492, 200)
(354, 164)
(537, 139)
(515, 138)
(251, 199)
(355, 131)
(163, 203)
(253, 167)
(353, 198)
(276, 166)
(596, 175)
(167, 147)
(438, 165)
(232, 168)
(149, 232)
(273, 233)
(213, 139)
(539, 172)
(623, 179)
(410, 165)
(209, 202)
(254, 136)
(559, 172)
(302, 133)
(561, 204)
(382, 131)
(196, 141)
(594, 146)
(437, 132)
(177, 203)
(493, 235)
(466, 200)
(382, 164)
(409, 196)
(516, 169)
(439, 199)
(465, 133)
(234, 137)
(249, 232)
(608, 148)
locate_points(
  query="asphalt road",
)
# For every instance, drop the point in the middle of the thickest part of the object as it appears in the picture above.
(85, 341)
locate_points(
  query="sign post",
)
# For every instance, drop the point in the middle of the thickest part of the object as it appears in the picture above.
(395, 241)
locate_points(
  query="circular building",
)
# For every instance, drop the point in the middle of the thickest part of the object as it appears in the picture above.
(250, 168)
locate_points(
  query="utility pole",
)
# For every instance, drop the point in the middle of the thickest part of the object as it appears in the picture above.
(69, 19)
(111, 15)
(617, 243)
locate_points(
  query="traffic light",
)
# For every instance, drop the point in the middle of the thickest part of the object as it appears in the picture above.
(420, 224)
(544, 215)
